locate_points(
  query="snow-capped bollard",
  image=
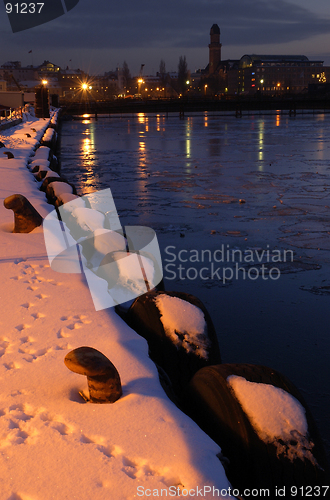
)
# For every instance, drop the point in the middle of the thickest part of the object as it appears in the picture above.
(53, 185)
(262, 424)
(26, 216)
(103, 378)
(180, 334)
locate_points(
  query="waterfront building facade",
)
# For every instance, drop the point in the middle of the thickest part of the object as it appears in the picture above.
(277, 74)
(261, 74)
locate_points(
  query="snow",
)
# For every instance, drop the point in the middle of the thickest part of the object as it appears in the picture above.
(181, 317)
(39, 163)
(106, 241)
(49, 134)
(41, 169)
(59, 188)
(42, 153)
(53, 445)
(275, 415)
(50, 173)
(126, 264)
(71, 201)
(86, 218)
(121, 272)
(130, 271)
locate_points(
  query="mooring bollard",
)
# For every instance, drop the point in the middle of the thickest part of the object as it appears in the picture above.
(9, 154)
(103, 378)
(26, 216)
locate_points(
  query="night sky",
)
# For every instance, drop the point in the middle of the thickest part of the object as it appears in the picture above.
(98, 35)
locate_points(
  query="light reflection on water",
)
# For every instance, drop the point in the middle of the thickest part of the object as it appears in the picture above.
(185, 178)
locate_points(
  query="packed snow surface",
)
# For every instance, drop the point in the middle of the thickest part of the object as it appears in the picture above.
(276, 416)
(184, 323)
(53, 445)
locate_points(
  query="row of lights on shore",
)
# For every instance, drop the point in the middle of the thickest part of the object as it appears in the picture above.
(84, 86)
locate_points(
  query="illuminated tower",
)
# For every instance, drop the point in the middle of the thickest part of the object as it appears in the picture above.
(214, 48)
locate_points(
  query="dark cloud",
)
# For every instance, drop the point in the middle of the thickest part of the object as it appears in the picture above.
(185, 23)
(129, 24)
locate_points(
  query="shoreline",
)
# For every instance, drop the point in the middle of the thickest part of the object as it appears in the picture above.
(149, 439)
(239, 107)
(142, 439)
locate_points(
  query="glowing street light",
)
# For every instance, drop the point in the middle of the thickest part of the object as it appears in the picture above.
(44, 82)
(84, 86)
(140, 81)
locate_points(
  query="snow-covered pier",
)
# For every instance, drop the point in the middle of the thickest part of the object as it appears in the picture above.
(53, 445)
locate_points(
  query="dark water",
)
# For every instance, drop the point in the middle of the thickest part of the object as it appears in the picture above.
(211, 185)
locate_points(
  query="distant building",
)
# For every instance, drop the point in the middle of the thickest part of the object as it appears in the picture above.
(13, 72)
(48, 68)
(266, 74)
(59, 81)
(69, 81)
(277, 74)
(215, 76)
(107, 86)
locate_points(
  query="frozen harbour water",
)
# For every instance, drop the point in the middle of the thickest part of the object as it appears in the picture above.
(229, 198)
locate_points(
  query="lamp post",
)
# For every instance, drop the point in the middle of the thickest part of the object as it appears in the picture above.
(85, 87)
(187, 89)
(41, 103)
(140, 81)
(44, 94)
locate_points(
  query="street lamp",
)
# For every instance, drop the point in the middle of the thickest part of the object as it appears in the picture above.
(140, 81)
(42, 104)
